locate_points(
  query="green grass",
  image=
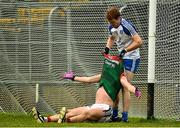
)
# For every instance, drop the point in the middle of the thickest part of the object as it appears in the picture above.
(19, 120)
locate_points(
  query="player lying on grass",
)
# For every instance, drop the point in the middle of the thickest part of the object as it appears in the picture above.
(106, 95)
(96, 79)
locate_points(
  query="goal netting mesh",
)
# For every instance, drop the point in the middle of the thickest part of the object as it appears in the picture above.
(167, 87)
(39, 41)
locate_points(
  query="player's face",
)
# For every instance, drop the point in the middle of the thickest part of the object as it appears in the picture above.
(115, 22)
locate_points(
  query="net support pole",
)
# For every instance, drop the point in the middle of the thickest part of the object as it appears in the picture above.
(50, 36)
(151, 58)
(69, 34)
(37, 93)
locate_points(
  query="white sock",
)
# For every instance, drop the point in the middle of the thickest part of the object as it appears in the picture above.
(45, 119)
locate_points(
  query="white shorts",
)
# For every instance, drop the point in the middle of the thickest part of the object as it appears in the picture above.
(106, 109)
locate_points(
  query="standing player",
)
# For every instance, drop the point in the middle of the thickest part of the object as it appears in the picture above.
(124, 34)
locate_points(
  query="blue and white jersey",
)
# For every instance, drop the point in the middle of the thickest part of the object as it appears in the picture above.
(123, 39)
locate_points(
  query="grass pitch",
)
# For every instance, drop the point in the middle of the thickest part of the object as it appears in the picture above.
(20, 120)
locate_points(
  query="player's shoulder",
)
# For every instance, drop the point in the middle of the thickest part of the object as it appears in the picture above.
(126, 22)
(128, 26)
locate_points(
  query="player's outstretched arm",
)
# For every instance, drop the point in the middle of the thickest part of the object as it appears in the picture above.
(90, 79)
(129, 86)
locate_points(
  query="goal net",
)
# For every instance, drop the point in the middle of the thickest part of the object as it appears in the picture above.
(39, 41)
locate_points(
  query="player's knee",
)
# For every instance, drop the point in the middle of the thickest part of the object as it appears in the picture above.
(93, 116)
(86, 115)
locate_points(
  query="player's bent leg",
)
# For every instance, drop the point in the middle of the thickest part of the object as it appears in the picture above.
(88, 115)
(76, 111)
(78, 118)
(96, 112)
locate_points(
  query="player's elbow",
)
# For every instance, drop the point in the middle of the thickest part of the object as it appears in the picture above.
(137, 39)
(140, 42)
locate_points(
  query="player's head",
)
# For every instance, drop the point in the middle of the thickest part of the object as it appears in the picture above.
(113, 16)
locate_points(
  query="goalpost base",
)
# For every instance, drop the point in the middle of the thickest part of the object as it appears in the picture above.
(150, 102)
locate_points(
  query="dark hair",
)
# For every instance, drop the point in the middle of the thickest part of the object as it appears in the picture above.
(112, 13)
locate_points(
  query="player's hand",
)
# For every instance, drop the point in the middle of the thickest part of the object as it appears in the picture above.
(106, 50)
(69, 75)
(122, 53)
